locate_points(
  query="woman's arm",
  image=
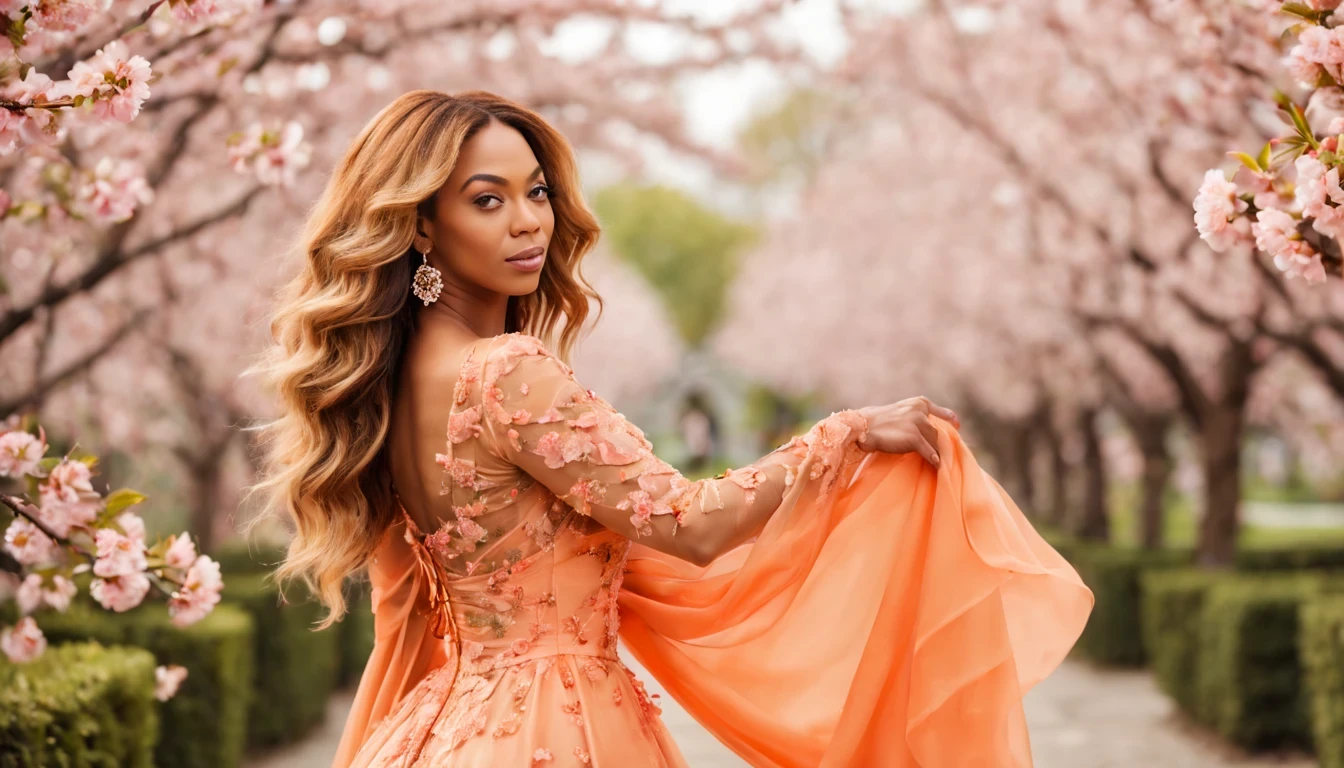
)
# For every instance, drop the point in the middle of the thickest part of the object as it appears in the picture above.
(537, 416)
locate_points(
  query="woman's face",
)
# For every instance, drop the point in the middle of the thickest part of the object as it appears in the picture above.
(494, 208)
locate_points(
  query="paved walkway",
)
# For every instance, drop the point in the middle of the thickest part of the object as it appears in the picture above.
(1080, 717)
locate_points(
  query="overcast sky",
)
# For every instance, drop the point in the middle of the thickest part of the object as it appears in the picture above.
(717, 104)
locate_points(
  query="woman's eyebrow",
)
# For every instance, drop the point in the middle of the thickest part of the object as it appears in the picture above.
(493, 179)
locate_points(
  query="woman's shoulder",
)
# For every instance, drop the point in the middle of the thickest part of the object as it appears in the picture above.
(503, 354)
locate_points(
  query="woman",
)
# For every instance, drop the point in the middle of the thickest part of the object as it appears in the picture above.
(864, 595)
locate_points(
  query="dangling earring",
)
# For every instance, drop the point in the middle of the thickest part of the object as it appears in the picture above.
(428, 281)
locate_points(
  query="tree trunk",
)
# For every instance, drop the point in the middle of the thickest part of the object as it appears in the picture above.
(1057, 513)
(204, 493)
(1220, 454)
(1151, 434)
(1093, 522)
(1021, 442)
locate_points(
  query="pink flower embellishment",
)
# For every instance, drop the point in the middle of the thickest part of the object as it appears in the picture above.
(522, 388)
(462, 471)
(439, 542)
(514, 442)
(643, 506)
(520, 646)
(464, 425)
(586, 491)
(551, 416)
(542, 754)
(494, 396)
(474, 509)
(471, 650)
(470, 529)
(522, 416)
(559, 449)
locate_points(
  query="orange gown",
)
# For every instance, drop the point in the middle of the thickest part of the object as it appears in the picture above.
(887, 614)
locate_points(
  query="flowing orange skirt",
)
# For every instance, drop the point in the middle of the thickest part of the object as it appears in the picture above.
(896, 621)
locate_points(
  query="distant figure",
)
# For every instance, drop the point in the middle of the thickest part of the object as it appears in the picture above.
(699, 432)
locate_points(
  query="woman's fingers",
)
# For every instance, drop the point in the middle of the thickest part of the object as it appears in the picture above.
(927, 450)
(945, 413)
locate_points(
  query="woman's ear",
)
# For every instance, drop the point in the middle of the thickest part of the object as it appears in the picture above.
(421, 242)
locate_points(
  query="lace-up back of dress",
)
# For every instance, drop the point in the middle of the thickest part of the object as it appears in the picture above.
(485, 530)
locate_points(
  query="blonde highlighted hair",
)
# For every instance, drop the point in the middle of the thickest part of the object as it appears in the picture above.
(341, 325)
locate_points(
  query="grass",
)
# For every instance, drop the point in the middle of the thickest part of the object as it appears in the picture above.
(1180, 526)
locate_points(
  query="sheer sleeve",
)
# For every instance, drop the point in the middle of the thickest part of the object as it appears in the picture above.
(539, 417)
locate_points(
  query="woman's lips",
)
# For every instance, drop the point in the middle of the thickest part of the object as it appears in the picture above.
(529, 260)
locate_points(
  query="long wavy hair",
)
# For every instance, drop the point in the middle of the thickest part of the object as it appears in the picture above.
(341, 325)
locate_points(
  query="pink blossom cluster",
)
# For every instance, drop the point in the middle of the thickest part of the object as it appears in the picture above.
(1293, 188)
(46, 536)
(275, 156)
(112, 191)
(112, 82)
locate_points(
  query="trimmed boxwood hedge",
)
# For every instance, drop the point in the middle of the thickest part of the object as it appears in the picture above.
(1326, 555)
(355, 632)
(296, 668)
(1172, 605)
(79, 705)
(1322, 648)
(238, 556)
(1249, 684)
(205, 724)
(1113, 634)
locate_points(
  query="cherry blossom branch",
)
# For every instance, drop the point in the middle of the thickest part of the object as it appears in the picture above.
(42, 387)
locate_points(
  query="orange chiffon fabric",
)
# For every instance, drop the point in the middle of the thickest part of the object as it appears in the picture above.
(896, 621)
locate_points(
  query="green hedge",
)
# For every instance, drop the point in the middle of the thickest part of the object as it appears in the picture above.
(239, 556)
(205, 724)
(1326, 555)
(1322, 648)
(1172, 604)
(1113, 634)
(356, 632)
(79, 705)
(1249, 684)
(296, 668)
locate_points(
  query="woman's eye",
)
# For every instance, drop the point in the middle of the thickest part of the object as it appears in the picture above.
(480, 201)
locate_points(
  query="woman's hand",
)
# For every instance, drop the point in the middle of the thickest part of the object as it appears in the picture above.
(904, 426)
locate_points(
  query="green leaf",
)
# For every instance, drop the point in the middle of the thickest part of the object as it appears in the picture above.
(123, 498)
(15, 29)
(1302, 10)
(1263, 159)
(1300, 123)
(48, 463)
(1247, 160)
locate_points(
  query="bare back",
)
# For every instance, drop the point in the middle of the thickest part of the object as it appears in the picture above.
(420, 410)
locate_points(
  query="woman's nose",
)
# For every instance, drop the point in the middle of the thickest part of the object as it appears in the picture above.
(526, 220)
